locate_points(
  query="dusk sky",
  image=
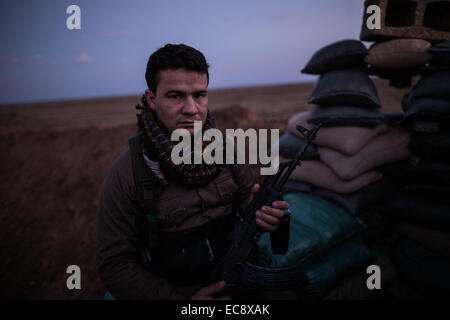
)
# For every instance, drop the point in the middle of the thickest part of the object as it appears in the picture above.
(245, 42)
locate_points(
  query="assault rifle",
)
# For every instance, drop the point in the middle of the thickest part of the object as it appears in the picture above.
(233, 266)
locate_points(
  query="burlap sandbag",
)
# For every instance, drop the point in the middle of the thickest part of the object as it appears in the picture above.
(399, 53)
(348, 139)
(290, 144)
(320, 175)
(389, 147)
(361, 200)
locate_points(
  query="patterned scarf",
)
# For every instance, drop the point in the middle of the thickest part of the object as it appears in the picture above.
(156, 143)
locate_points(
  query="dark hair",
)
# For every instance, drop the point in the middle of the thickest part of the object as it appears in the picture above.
(174, 56)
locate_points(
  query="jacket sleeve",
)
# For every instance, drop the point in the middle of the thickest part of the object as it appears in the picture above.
(117, 240)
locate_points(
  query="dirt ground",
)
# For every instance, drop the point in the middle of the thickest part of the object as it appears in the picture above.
(54, 157)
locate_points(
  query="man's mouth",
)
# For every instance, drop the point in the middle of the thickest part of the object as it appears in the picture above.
(187, 123)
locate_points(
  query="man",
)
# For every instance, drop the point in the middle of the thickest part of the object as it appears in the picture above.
(194, 208)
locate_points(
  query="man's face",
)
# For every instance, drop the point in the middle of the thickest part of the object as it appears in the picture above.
(181, 98)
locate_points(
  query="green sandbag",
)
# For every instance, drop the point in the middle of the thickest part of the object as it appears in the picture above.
(324, 273)
(316, 226)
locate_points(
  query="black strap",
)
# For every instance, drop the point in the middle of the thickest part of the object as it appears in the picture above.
(147, 188)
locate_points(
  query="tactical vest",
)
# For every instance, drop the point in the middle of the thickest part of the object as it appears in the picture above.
(162, 258)
(202, 253)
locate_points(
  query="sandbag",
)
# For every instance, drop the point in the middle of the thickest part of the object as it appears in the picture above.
(430, 172)
(426, 109)
(441, 53)
(430, 191)
(432, 146)
(393, 170)
(434, 240)
(399, 53)
(320, 175)
(398, 78)
(433, 85)
(418, 210)
(324, 273)
(417, 171)
(389, 147)
(292, 186)
(355, 203)
(342, 54)
(424, 268)
(345, 87)
(317, 225)
(347, 139)
(359, 201)
(354, 287)
(426, 126)
(289, 144)
(380, 228)
(345, 116)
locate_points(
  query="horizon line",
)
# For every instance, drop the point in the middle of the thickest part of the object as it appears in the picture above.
(112, 96)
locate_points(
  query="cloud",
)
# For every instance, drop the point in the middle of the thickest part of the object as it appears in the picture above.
(84, 58)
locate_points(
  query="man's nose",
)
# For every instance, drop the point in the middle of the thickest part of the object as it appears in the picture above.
(190, 106)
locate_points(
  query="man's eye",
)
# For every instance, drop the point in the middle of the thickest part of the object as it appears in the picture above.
(175, 96)
(200, 95)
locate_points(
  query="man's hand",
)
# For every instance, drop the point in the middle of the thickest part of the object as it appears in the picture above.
(207, 293)
(269, 218)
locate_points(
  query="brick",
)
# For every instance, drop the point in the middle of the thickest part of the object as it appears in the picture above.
(420, 19)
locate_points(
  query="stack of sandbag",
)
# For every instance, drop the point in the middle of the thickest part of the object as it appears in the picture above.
(354, 140)
(427, 109)
(338, 179)
(341, 165)
(344, 94)
(422, 209)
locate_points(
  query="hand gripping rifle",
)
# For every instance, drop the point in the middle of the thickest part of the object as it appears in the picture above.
(233, 266)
